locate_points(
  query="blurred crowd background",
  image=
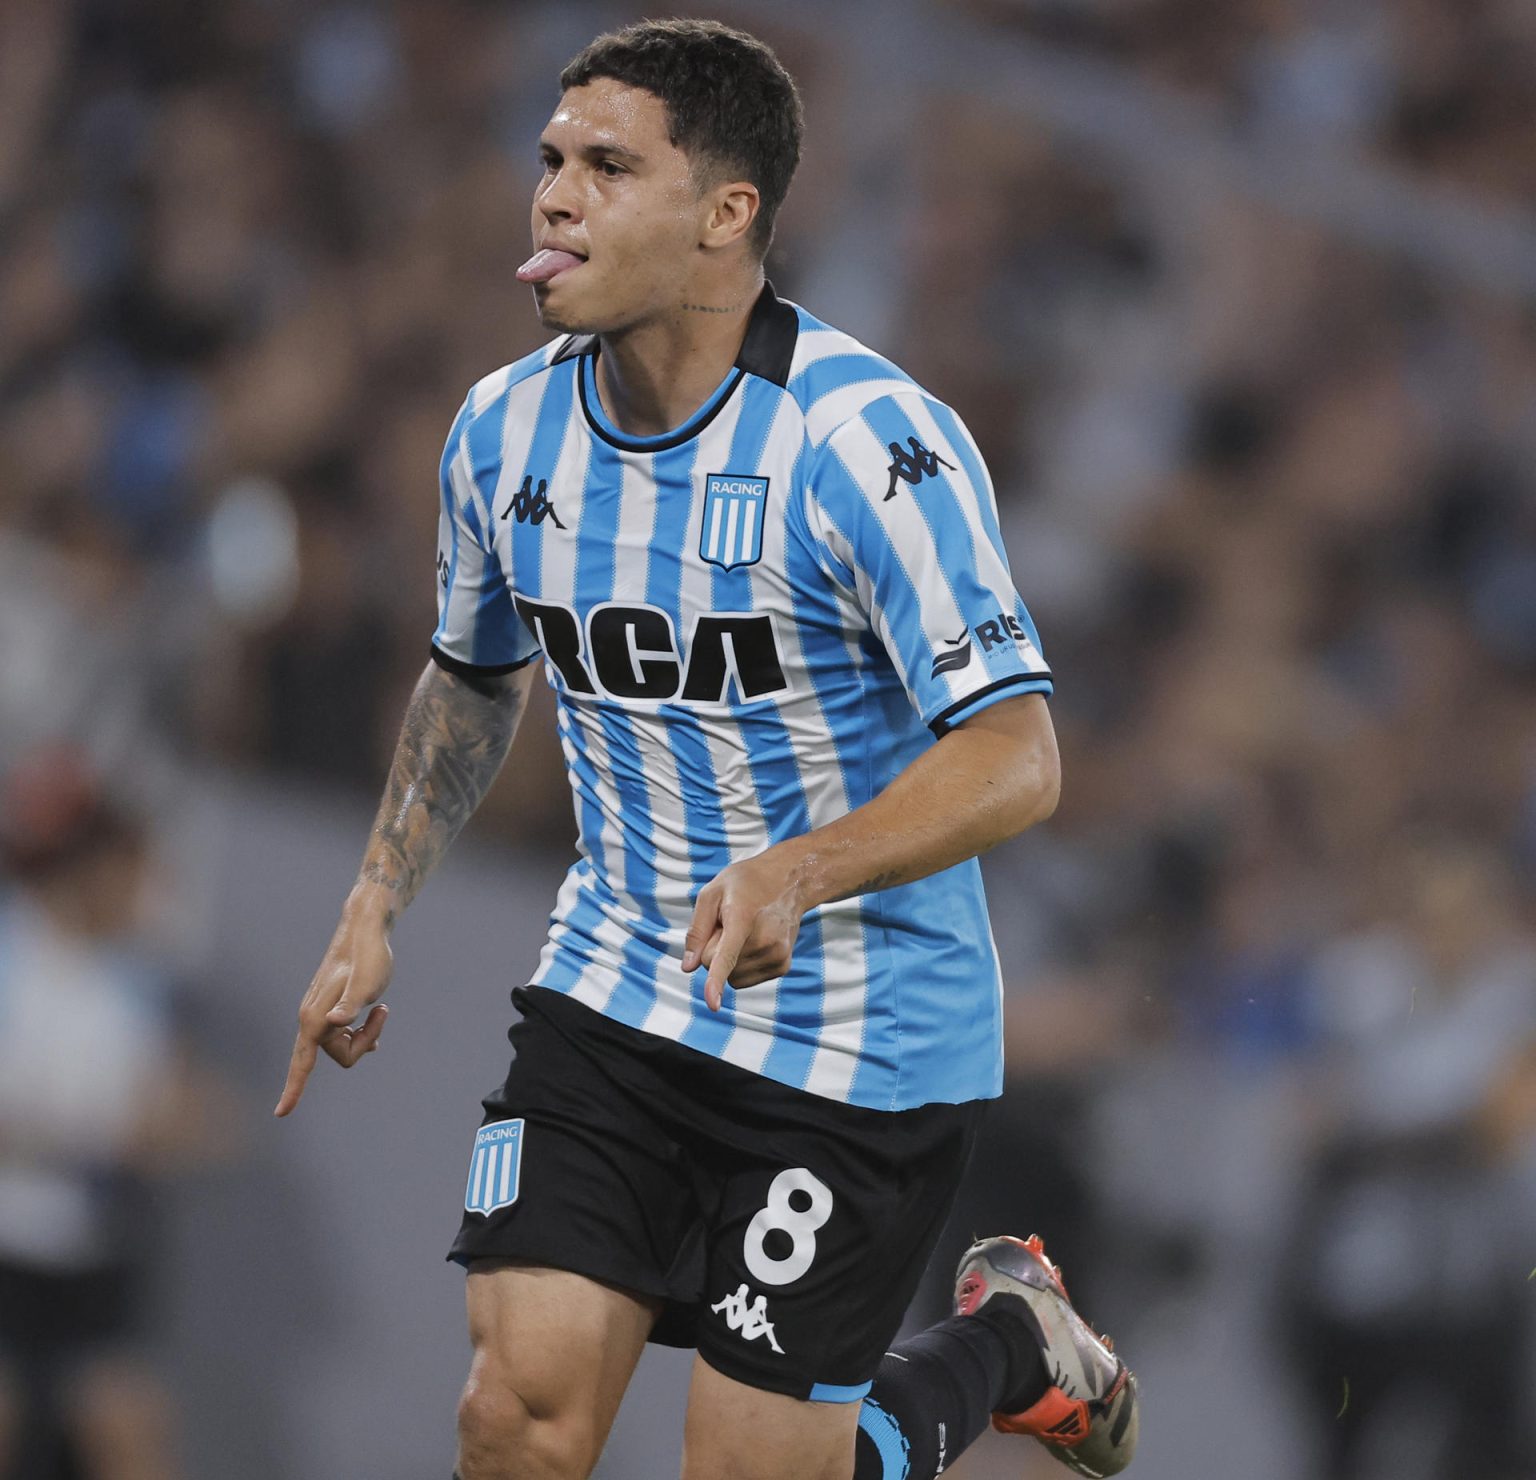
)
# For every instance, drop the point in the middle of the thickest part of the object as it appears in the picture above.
(1239, 299)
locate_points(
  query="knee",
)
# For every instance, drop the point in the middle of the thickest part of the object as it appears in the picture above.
(502, 1438)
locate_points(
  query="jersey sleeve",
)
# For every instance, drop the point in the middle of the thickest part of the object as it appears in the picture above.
(902, 507)
(478, 628)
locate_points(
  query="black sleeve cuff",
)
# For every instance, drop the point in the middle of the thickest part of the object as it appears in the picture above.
(941, 724)
(460, 669)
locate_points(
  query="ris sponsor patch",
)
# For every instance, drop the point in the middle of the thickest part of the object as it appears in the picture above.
(954, 654)
(494, 1167)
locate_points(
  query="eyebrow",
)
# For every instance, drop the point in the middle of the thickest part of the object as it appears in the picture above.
(598, 148)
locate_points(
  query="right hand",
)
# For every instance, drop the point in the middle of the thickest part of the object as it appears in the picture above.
(352, 977)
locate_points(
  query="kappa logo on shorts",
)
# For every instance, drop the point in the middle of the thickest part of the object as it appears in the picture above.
(750, 1319)
(494, 1167)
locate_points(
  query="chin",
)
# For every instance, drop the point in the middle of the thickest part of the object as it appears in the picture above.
(565, 312)
(557, 312)
(556, 321)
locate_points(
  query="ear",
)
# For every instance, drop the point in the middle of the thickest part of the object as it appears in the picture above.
(732, 210)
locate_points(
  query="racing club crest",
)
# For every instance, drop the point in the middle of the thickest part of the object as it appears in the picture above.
(494, 1168)
(732, 532)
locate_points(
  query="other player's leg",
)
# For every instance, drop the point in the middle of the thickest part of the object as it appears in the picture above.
(122, 1419)
(10, 1416)
(553, 1353)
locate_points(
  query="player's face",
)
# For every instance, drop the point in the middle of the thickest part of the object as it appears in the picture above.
(619, 196)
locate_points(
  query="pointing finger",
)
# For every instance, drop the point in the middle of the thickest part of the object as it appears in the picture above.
(299, 1068)
(732, 939)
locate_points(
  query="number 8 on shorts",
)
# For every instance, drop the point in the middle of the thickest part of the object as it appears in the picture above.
(801, 1224)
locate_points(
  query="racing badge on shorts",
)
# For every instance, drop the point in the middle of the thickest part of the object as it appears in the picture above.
(494, 1168)
(732, 532)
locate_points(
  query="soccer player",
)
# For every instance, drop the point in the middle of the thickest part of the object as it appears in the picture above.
(797, 696)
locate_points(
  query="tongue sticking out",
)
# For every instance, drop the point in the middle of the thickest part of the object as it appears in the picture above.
(545, 264)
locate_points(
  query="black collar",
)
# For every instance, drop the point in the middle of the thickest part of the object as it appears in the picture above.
(772, 330)
(766, 352)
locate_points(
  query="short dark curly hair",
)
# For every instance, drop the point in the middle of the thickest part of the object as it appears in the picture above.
(730, 104)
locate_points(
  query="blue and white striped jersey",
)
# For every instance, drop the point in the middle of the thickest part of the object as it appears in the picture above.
(751, 624)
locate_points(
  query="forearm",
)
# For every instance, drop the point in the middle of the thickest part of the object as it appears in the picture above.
(453, 741)
(979, 786)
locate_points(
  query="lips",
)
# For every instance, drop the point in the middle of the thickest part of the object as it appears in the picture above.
(547, 263)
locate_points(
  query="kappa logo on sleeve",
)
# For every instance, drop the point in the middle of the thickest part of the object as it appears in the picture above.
(495, 1166)
(912, 464)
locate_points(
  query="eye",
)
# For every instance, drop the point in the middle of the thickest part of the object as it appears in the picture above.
(609, 170)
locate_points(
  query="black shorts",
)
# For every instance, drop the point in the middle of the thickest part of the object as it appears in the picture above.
(785, 1232)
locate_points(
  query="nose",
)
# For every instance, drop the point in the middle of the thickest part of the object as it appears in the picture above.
(556, 199)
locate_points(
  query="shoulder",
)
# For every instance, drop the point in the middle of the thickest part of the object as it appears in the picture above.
(837, 380)
(523, 378)
(473, 450)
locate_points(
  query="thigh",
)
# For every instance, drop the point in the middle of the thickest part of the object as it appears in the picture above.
(562, 1346)
(738, 1432)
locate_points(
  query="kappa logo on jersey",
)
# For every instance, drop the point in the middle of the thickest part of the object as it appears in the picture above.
(633, 653)
(732, 532)
(442, 570)
(955, 655)
(912, 464)
(494, 1167)
(750, 1319)
(532, 505)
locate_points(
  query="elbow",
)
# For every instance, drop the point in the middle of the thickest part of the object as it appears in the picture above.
(1029, 794)
(1043, 791)
(1018, 760)
(1037, 781)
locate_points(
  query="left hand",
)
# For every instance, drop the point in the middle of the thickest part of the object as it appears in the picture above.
(744, 925)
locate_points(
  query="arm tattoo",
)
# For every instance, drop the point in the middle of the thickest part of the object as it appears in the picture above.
(708, 308)
(452, 744)
(879, 881)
